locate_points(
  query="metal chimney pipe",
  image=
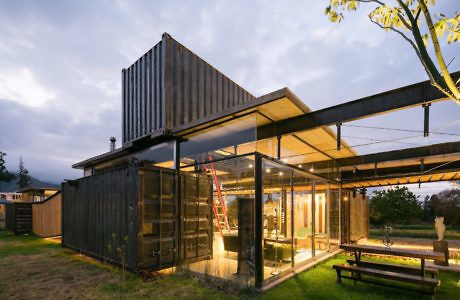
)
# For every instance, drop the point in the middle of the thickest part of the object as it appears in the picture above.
(112, 143)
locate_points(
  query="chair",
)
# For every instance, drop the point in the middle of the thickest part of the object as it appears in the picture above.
(303, 237)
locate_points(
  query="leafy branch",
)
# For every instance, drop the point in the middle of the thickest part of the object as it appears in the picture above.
(403, 18)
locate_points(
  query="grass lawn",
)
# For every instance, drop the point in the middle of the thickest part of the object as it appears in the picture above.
(416, 231)
(32, 268)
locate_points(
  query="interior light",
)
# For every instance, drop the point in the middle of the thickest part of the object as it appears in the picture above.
(312, 169)
(281, 173)
(250, 166)
(300, 166)
(284, 160)
(345, 198)
(267, 170)
(221, 152)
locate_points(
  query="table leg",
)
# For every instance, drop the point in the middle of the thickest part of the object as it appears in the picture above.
(356, 256)
(423, 267)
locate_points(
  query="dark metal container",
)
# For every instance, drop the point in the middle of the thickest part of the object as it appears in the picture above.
(170, 89)
(18, 217)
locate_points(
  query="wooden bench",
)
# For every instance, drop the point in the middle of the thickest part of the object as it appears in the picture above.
(357, 271)
(411, 270)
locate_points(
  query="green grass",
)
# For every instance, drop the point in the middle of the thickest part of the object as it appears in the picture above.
(319, 283)
(33, 267)
(23, 244)
(412, 231)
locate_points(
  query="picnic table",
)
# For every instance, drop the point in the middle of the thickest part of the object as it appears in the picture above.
(411, 253)
(395, 272)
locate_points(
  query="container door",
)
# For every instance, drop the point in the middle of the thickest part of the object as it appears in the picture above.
(197, 217)
(158, 209)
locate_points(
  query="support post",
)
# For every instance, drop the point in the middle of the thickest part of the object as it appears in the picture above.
(426, 119)
(292, 219)
(339, 136)
(313, 219)
(179, 253)
(278, 146)
(258, 218)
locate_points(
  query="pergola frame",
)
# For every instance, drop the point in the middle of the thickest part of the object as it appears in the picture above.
(421, 93)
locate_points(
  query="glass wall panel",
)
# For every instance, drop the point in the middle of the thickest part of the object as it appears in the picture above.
(161, 155)
(226, 139)
(303, 218)
(321, 219)
(232, 253)
(277, 219)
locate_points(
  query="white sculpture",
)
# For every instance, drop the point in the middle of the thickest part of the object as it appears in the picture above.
(439, 227)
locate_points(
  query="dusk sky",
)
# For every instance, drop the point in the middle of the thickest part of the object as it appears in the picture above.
(61, 61)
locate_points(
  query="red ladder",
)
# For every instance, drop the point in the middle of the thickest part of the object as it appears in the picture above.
(221, 201)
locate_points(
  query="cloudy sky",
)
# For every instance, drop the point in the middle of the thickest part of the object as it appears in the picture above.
(61, 61)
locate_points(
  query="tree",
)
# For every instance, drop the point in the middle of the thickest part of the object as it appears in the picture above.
(23, 174)
(446, 204)
(397, 206)
(403, 18)
(5, 176)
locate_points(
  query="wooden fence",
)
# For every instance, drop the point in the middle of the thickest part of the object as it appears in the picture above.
(2, 216)
(46, 216)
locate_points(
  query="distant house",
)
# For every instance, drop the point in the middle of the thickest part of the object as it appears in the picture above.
(10, 196)
(35, 194)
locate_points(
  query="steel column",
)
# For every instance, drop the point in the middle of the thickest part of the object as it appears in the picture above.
(258, 218)
(426, 119)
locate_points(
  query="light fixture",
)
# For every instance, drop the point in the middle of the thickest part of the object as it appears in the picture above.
(250, 166)
(300, 166)
(284, 160)
(268, 170)
(280, 173)
(312, 169)
(345, 198)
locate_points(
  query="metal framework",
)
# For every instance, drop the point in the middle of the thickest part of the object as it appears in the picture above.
(421, 93)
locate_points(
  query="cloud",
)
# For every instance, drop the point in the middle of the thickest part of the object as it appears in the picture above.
(61, 61)
(20, 85)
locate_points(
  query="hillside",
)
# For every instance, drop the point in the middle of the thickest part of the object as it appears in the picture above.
(12, 185)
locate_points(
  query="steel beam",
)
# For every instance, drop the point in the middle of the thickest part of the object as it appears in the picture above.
(402, 154)
(402, 171)
(401, 98)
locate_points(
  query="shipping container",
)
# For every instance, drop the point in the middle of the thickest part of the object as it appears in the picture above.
(137, 210)
(18, 217)
(170, 89)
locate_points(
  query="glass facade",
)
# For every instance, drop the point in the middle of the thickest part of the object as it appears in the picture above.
(299, 212)
(296, 218)
(233, 233)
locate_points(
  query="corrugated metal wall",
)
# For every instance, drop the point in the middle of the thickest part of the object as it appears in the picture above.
(196, 218)
(158, 212)
(170, 88)
(143, 95)
(47, 216)
(18, 217)
(98, 207)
